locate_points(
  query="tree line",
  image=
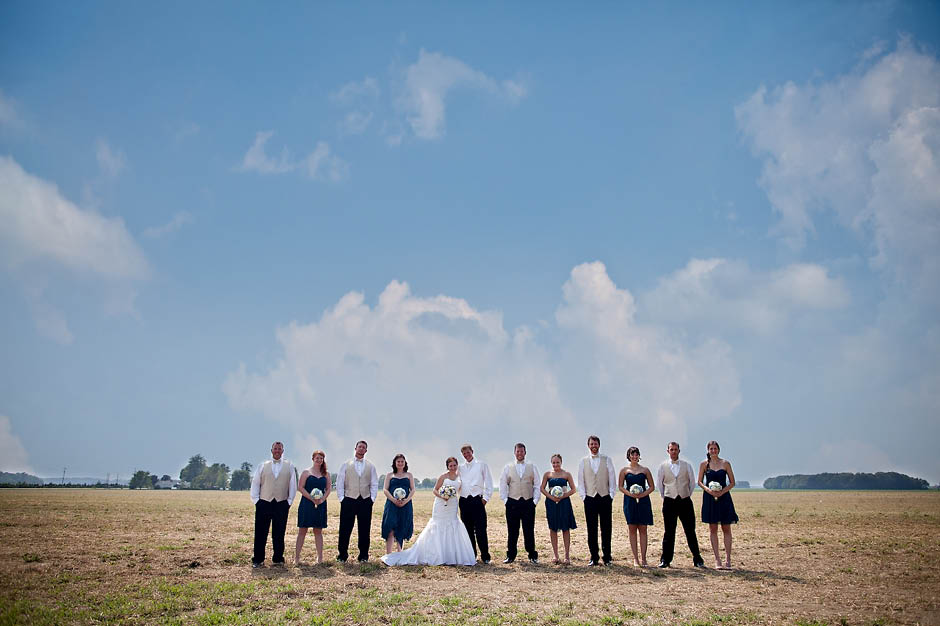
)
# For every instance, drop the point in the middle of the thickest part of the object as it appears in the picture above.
(846, 480)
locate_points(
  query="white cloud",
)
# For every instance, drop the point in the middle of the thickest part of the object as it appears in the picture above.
(9, 118)
(321, 164)
(178, 221)
(356, 122)
(865, 145)
(112, 162)
(38, 223)
(354, 92)
(429, 80)
(728, 294)
(12, 453)
(425, 374)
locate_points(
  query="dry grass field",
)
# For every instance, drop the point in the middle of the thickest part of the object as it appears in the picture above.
(91, 556)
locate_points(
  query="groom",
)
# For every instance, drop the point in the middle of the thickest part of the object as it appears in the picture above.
(676, 481)
(273, 488)
(476, 489)
(597, 484)
(519, 488)
(357, 484)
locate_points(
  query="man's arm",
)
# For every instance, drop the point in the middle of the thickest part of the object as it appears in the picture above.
(374, 487)
(255, 491)
(504, 484)
(487, 483)
(691, 477)
(659, 481)
(341, 482)
(536, 486)
(581, 489)
(611, 477)
(292, 489)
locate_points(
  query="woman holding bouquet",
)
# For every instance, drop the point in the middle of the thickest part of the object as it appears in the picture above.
(716, 479)
(398, 516)
(444, 541)
(314, 487)
(636, 484)
(558, 486)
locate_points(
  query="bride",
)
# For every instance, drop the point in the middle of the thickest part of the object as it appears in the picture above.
(444, 541)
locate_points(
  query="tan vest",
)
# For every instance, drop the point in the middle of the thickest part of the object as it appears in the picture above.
(358, 486)
(599, 483)
(272, 488)
(672, 486)
(521, 487)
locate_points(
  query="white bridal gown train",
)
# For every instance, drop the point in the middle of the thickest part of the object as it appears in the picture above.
(444, 541)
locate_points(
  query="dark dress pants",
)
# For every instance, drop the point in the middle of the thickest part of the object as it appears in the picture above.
(271, 514)
(681, 509)
(473, 516)
(521, 511)
(598, 508)
(356, 511)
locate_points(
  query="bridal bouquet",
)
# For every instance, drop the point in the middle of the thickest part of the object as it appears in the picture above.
(316, 494)
(448, 491)
(556, 491)
(715, 486)
(636, 489)
(399, 493)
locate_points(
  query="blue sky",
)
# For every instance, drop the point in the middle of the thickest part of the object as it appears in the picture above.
(422, 224)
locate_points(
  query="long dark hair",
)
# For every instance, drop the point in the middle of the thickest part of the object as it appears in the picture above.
(395, 469)
(708, 455)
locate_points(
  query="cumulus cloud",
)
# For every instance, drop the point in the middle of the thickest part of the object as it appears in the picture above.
(178, 221)
(729, 294)
(111, 161)
(429, 81)
(12, 453)
(40, 224)
(864, 145)
(425, 374)
(321, 164)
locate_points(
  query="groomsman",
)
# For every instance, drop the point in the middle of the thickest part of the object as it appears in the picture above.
(357, 484)
(475, 491)
(676, 482)
(273, 487)
(597, 484)
(519, 488)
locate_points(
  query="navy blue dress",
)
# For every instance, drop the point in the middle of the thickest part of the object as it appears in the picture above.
(638, 512)
(399, 520)
(309, 516)
(560, 515)
(720, 511)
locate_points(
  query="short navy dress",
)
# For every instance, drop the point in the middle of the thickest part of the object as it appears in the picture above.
(398, 519)
(720, 511)
(560, 515)
(309, 516)
(638, 512)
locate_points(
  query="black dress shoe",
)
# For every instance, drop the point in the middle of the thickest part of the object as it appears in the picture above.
(340, 559)
(486, 561)
(700, 564)
(663, 564)
(534, 561)
(256, 565)
(592, 563)
(507, 560)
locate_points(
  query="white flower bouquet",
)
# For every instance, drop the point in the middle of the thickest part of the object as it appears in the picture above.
(316, 494)
(636, 490)
(448, 491)
(399, 493)
(557, 491)
(715, 486)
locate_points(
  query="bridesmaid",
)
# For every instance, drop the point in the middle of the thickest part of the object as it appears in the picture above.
(311, 512)
(558, 508)
(398, 516)
(636, 507)
(717, 506)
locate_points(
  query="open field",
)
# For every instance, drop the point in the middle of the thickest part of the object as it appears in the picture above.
(91, 556)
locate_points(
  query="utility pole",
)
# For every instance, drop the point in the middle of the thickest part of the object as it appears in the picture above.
(63, 474)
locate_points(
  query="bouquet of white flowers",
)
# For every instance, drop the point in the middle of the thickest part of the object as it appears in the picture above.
(316, 494)
(448, 491)
(399, 493)
(556, 491)
(636, 489)
(715, 486)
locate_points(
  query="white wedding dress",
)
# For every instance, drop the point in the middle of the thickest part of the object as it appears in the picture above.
(444, 541)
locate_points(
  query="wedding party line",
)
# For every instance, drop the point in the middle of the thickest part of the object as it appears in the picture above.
(466, 489)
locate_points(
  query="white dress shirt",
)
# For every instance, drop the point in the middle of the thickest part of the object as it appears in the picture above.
(359, 465)
(677, 469)
(519, 468)
(595, 466)
(276, 466)
(476, 480)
